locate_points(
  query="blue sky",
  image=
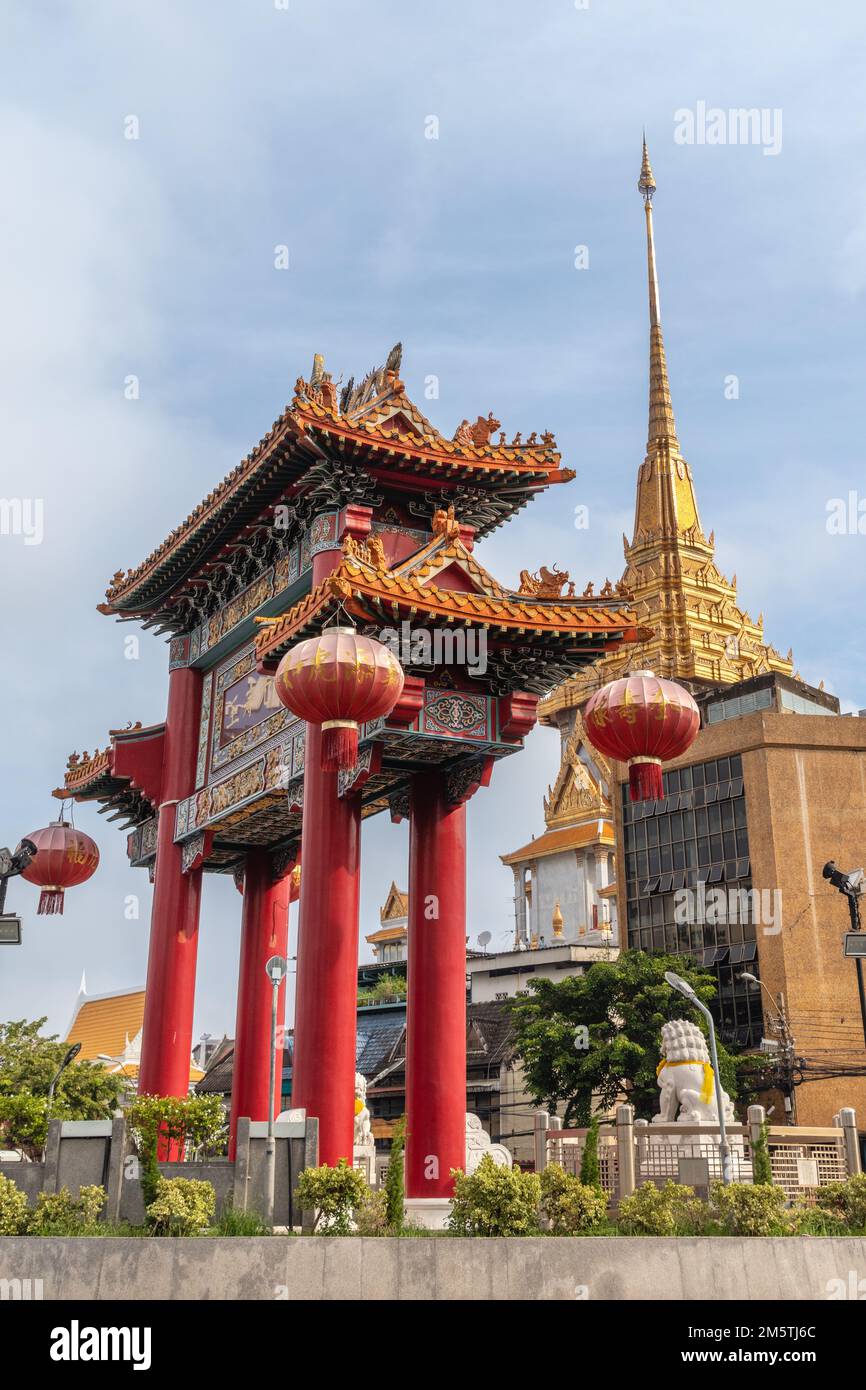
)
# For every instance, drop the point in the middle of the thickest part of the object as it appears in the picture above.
(306, 126)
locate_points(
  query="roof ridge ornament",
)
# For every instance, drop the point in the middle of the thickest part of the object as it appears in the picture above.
(376, 383)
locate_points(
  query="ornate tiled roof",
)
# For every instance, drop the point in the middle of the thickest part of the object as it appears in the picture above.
(376, 427)
(125, 786)
(366, 589)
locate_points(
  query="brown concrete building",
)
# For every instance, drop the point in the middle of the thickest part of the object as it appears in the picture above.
(773, 788)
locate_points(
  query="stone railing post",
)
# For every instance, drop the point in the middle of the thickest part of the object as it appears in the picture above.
(555, 1124)
(641, 1148)
(114, 1178)
(848, 1122)
(541, 1124)
(625, 1143)
(240, 1189)
(757, 1116)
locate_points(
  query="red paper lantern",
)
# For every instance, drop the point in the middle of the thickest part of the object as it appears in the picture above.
(642, 720)
(64, 858)
(339, 680)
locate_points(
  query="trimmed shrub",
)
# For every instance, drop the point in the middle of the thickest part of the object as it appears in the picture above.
(846, 1201)
(333, 1194)
(371, 1217)
(572, 1207)
(14, 1210)
(494, 1201)
(182, 1207)
(672, 1210)
(61, 1214)
(750, 1209)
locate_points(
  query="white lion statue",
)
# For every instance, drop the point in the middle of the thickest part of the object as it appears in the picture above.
(686, 1080)
(363, 1129)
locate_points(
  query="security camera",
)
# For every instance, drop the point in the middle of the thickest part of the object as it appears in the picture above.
(850, 884)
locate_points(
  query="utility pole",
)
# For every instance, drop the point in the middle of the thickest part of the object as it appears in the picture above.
(787, 1056)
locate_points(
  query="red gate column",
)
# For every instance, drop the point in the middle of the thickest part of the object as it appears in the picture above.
(323, 1066)
(264, 933)
(170, 996)
(436, 1010)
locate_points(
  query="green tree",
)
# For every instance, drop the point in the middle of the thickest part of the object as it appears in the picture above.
(590, 1172)
(622, 1005)
(180, 1124)
(762, 1170)
(28, 1062)
(394, 1176)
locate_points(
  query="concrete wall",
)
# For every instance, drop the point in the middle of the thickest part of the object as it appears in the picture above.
(436, 1269)
(81, 1153)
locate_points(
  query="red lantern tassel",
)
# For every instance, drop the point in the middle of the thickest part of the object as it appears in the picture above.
(339, 745)
(645, 780)
(50, 902)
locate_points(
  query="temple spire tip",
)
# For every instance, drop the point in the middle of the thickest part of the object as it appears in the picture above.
(646, 182)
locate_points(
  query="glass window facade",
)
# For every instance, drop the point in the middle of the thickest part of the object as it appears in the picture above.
(689, 887)
(800, 705)
(733, 706)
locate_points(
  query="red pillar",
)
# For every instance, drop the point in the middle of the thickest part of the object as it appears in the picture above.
(323, 1067)
(436, 1008)
(264, 933)
(170, 995)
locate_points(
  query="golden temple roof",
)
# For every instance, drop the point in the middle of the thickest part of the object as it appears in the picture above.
(106, 1023)
(109, 1026)
(555, 841)
(701, 635)
(396, 905)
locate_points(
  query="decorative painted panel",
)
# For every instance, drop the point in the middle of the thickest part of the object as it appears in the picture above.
(267, 774)
(141, 843)
(203, 730)
(323, 533)
(268, 585)
(178, 652)
(457, 714)
(246, 711)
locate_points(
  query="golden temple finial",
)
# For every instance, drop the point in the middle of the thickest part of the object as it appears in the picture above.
(556, 920)
(662, 426)
(646, 183)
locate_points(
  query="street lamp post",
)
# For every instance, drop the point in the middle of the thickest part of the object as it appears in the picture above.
(851, 886)
(71, 1054)
(276, 969)
(677, 982)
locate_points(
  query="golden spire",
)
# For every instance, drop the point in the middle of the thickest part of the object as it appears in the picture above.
(557, 920)
(662, 426)
(702, 634)
(666, 507)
